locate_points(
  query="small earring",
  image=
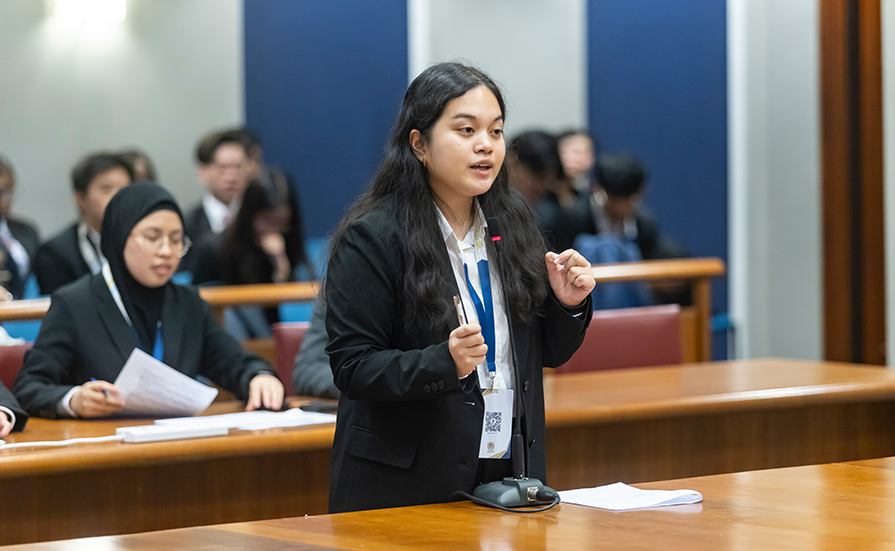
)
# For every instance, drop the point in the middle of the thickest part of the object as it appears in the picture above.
(425, 163)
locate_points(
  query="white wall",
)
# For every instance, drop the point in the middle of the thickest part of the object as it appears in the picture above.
(888, 46)
(171, 72)
(775, 177)
(535, 50)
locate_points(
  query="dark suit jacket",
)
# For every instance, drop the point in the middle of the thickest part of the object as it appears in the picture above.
(26, 234)
(84, 336)
(7, 400)
(197, 228)
(408, 430)
(59, 261)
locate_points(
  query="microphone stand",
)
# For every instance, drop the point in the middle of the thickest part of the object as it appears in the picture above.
(518, 490)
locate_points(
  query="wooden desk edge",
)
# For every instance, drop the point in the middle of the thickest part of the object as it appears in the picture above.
(84, 457)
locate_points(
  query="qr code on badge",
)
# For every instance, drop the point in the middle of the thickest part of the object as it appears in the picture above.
(492, 421)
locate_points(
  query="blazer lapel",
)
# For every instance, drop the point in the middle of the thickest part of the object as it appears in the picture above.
(112, 320)
(173, 328)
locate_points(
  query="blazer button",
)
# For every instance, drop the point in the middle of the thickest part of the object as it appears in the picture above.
(525, 386)
(426, 388)
(440, 385)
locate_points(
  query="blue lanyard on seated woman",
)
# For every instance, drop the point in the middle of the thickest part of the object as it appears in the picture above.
(158, 349)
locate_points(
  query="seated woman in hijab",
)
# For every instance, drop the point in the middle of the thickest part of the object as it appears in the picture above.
(95, 323)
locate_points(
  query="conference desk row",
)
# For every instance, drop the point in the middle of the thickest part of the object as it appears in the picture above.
(842, 506)
(633, 425)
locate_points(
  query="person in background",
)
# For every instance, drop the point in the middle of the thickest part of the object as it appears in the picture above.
(224, 170)
(76, 251)
(537, 170)
(19, 240)
(259, 247)
(141, 165)
(621, 229)
(12, 416)
(577, 150)
(274, 178)
(312, 375)
(93, 325)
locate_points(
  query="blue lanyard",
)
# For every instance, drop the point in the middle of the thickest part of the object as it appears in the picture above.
(484, 308)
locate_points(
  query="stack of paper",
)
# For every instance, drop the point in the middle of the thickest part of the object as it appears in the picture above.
(151, 388)
(621, 497)
(259, 420)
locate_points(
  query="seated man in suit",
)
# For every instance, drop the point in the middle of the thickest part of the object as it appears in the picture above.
(12, 416)
(18, 239)
(224, 169)
(76, 251)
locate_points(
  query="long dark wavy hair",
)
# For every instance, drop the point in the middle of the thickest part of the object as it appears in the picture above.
(402, 185)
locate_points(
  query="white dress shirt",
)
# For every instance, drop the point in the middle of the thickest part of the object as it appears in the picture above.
(218, 214)
(469, 251)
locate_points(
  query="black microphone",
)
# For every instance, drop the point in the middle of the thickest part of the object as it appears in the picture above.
(518, 490)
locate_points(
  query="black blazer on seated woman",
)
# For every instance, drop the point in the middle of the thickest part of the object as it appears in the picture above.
(84, 336)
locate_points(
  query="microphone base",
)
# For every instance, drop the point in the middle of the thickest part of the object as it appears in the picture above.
(512, 492)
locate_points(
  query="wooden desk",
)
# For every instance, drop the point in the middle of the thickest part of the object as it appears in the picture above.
(844, 506)
(632, 425)
(659, 423)
(113, 488)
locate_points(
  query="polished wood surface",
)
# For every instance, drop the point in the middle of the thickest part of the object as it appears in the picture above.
(218, 297)
(844, 506)
(657, 423)
(114, 488)
(634, 425)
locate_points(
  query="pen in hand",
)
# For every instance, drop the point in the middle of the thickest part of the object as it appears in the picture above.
(92, 379)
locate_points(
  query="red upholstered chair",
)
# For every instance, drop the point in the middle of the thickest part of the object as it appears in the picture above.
(287, 338)
(11, 358)
(629, 337)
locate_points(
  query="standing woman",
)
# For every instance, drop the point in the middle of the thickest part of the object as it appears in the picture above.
(94, 324)
(410, 422)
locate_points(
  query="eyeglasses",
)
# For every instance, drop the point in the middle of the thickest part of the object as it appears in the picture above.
(153, 244)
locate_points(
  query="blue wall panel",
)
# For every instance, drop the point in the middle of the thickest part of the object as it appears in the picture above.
(658, 89)
(324, 82)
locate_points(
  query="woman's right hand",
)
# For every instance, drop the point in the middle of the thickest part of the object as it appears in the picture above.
(5, 424)
(468, 348)
(91, 400)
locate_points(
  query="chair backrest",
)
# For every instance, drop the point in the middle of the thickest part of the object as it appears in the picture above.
(287, 338)
(629, 337)
(11, 358)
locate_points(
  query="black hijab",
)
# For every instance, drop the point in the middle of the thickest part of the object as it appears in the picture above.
(126, 209)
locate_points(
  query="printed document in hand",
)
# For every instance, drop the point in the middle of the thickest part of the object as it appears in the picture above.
(151, 388)
(258, 420)
(621, 497)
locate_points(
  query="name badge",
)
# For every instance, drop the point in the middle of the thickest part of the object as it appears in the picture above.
(497, 425)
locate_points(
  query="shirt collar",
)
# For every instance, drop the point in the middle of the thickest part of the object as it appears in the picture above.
(447, 232)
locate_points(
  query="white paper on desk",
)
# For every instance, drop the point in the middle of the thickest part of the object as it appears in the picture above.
(621, 497)
(149, 387)
(259, 420)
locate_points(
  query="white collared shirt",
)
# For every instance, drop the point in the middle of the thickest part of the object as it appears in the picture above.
(15, 249)
(218, 214)
(469, 251)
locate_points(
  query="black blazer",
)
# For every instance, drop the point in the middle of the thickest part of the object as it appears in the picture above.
(198, 229)
(26, 234)
(407, 430)
(7, 400)
(59, 261)
(84, 336)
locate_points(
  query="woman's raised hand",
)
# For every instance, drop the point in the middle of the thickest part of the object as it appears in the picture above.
(571, 276)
